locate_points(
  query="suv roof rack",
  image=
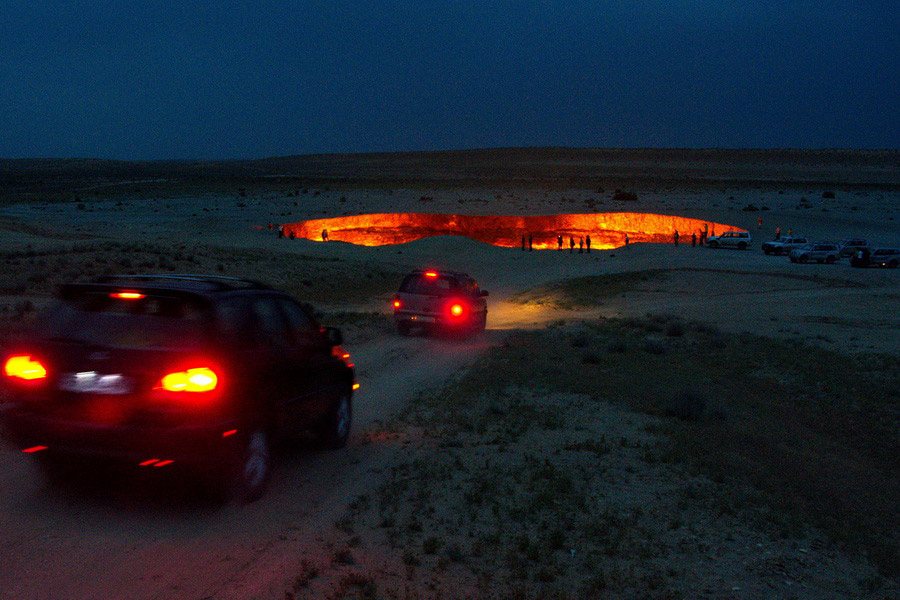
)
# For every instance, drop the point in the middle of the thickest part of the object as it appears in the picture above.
(218, 281)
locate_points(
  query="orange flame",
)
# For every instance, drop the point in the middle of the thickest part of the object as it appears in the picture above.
(607, 230)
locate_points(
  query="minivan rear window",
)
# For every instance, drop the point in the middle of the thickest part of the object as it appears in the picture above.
(431, 286)
(149, 322)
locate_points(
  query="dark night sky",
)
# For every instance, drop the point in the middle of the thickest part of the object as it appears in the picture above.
(231, 79)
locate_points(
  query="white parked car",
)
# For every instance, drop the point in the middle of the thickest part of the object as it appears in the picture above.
(822, 253)
(784, 245)
(852, 246)
(730, 239)
(885, 257)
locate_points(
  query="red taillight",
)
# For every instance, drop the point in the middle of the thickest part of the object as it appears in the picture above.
(200, 379)
(431, 274)
(457, 309)
(127, 295)
(24, 367)
(342, 354)
(397, 304)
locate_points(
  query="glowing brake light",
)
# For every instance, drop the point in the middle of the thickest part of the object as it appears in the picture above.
(23, 367)
(396, 304)
(431, 274)
(201, 379)
(127, 295)
(456, 309)
(342, 354)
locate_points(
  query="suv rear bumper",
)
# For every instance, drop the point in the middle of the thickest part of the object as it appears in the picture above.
(414, 319)
(182, 443)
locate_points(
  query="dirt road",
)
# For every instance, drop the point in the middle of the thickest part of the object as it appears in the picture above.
(141, 539)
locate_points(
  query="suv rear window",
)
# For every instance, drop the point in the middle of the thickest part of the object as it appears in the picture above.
(431, 286)
(151, 321)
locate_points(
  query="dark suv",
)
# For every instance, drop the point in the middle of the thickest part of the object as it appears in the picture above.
(193, 370)
(440, 301)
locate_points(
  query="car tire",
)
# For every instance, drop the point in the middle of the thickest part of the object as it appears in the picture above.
(803, 259)
(766, 251)
(334, 430)
(713, 244)
(254, 465)
(742, 246)
(830, 260)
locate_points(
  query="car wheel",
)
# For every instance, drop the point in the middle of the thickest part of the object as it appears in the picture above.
(254, 465)
(766, 251)
(334, 431)
(830, 260)
(804, 258)
(713, 244)
(742, 246)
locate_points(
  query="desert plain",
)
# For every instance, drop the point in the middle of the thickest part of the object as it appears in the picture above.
(656, 421)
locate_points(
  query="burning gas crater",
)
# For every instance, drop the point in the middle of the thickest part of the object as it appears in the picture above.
(607, 230)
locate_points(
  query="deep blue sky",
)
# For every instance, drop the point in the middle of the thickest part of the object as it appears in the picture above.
(153, 79)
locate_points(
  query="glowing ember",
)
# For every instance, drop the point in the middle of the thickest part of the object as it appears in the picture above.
(607, 230)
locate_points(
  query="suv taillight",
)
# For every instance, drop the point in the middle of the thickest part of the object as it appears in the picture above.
(396, 303)
(199, 379)
(456, 309)
(24, 367)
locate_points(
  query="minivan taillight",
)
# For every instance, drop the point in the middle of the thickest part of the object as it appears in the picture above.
(24, 367)
(200, 379)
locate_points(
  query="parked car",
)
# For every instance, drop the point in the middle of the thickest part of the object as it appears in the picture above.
(784, 245)
(879, 257)
(190, 370)
(819, 252)
(730, 239)
(440, 301)
(849, 247)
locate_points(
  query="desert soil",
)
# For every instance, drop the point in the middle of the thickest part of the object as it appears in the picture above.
(144, 540)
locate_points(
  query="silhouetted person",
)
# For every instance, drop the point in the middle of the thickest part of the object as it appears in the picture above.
(293, 235)
(790, 231)
(676, 237)
(270, 227)
(559, 241)
(778, 232)
(571, 244)
(580, 245)
(693, 240)
(758, 223)
(627, 239)
(281, 231)
(324, 235)
(530, 242)
(587, 243)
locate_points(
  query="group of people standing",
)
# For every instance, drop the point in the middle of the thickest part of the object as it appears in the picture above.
(584, 243)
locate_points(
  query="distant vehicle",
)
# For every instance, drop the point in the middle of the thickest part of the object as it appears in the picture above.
(440, 301)
(200, 371)
(821, 253)
(879, 257)
(784, 245)
(730, 239)
(851, 246)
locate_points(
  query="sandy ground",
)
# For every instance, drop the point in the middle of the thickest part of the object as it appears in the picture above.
(135, 543)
